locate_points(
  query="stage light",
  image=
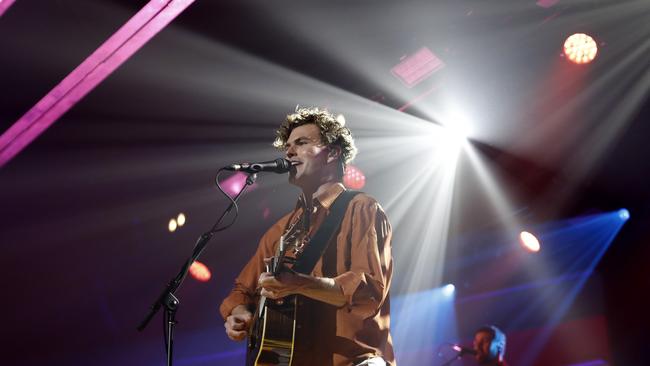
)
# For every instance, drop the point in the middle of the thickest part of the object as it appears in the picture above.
(624, 214)
(458, 132)
(457, 122)
(448, 290)
(118, 48)
(354, 178)
(415, 68)
(234, 184)
(200, 272)
(4, 5)
(180, 219)
(172, 226)
(529, 242)
(580, 48)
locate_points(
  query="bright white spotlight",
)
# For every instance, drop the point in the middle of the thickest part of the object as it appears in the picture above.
(172, 226)
(624, 214)
(448, 290)
(458, 131)
(452, 139)
(180, 219)
(529, 242)
(456, 122)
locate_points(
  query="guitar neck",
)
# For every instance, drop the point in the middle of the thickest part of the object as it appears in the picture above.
(276, 262)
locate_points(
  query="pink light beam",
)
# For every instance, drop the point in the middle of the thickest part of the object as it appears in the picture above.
(233, 184)
(143, 26)
(413, 69)
(4, 5)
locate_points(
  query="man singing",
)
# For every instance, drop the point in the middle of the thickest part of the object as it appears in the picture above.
(343, 311)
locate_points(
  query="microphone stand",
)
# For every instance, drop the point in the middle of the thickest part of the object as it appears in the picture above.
(167, 299)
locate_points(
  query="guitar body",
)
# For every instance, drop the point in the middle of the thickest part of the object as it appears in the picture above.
(270, 339)
(272, 335)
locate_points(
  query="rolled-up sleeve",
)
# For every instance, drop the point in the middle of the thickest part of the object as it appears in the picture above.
(366, 283)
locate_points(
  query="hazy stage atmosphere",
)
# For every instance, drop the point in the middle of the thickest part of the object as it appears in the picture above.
(505, 140)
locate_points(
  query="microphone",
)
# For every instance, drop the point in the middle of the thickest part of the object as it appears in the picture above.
(462, 350)
(277, 166)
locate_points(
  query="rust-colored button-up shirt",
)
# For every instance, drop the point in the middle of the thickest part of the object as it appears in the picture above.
(359, 259)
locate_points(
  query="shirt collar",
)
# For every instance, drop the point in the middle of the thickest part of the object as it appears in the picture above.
(326, 198)
(330, 195)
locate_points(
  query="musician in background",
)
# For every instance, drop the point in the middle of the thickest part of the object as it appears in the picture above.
(490, 346)
(343, 306)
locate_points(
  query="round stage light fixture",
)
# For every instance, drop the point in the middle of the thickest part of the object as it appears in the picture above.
(172, 226)
(624, 214)
(354, 178)
(580, 48)
(180, 219)
(449, 289)
(529, 242)
(200, 272)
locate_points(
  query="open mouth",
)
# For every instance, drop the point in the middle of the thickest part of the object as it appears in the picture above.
(294, 164)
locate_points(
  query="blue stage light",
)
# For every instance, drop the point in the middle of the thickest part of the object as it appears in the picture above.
(449, 289)
(624, 214)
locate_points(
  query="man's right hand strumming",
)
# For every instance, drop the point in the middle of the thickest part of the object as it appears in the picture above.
(238, 322)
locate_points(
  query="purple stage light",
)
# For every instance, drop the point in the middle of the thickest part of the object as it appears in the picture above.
(417, 67)
(4, 5)
(591, 363)
(234, 184)
(145, 24)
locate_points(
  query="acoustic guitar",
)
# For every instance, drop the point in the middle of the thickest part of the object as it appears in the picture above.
(271, 336)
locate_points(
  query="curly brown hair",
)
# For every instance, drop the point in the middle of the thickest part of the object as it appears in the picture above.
(332, 130)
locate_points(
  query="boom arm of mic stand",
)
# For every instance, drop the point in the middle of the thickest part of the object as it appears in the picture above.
(167, 298)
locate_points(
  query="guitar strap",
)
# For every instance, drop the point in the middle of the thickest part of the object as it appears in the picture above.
(317, 245)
